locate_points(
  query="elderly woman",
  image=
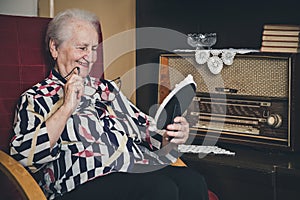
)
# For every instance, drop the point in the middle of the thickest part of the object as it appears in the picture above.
(80, 137)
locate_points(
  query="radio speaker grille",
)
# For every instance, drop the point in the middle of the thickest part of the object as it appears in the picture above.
(249, 75)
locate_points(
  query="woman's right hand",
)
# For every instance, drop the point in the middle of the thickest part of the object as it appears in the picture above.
(73, 90)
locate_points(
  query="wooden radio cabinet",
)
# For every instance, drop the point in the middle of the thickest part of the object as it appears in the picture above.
(266, 164)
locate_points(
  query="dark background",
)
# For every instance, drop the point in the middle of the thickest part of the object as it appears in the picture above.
(238, 24)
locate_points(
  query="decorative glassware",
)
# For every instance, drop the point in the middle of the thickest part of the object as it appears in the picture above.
(202, 40)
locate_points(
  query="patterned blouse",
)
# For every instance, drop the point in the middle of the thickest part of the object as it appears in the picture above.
(100, 137)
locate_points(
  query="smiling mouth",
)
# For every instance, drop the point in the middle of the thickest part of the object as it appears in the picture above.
(84, 64)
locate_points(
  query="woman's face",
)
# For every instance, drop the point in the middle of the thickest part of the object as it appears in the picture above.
(79, 50)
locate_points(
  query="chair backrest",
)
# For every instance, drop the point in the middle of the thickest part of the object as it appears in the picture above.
(24, 62)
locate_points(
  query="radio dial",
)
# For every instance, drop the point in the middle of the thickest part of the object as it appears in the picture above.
(274, 120)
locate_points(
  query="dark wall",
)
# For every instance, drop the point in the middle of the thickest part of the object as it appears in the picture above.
(238, 24)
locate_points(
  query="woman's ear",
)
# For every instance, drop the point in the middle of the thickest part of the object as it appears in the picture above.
(53, 49)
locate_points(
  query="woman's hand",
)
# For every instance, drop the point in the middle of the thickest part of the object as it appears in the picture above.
(73, 90)
(178, 132)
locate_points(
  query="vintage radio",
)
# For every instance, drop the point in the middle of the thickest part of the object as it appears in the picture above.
(252, 102)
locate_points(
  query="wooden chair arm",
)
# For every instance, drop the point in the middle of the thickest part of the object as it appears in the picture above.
(179, 163)
(21, 178)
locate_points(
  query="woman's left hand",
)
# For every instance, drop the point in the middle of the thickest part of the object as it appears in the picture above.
(178, 132)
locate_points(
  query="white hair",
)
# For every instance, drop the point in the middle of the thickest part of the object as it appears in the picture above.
(58, 26)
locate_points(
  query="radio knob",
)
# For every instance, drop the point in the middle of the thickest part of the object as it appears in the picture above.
(274, 120)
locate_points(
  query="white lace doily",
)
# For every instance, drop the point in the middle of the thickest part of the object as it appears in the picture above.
(215, 58)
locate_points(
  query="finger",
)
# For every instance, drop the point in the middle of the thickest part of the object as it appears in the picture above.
(76, 81)
(75, 78)
(74, 87)
(180, 119)
(80, 91)
(175, 134)
(177, 141)
(184, 123)
(174, 127)
(77, 71)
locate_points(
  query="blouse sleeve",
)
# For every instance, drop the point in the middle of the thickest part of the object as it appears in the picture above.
(152, 140)
(30, 144)
(151, 143)
(147, 137)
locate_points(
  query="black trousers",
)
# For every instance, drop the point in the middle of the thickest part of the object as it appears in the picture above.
(167, 183)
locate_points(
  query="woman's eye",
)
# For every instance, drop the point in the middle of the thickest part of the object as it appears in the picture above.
(86, 48)
(94, 48)
(82, 48)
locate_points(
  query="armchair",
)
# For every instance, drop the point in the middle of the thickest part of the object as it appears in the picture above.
(23, 63)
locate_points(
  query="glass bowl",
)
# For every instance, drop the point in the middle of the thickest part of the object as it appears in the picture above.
(202, 40)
